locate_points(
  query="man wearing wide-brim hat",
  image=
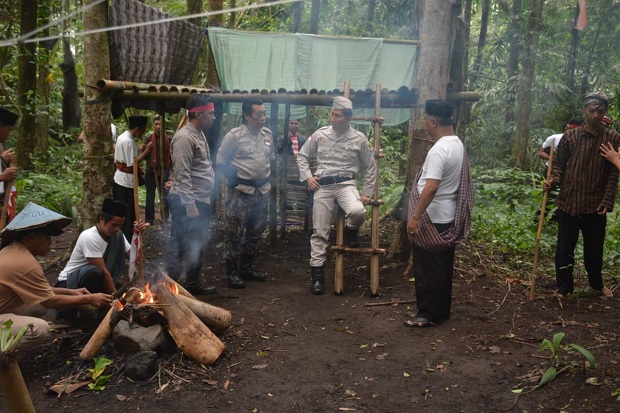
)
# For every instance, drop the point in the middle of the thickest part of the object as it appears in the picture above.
(7, 172)
(25, 294)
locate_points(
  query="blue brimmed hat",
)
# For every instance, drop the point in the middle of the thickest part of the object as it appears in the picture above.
(36, 217)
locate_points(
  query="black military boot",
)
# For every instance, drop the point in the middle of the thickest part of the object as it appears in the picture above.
(350, 238)
(234, 280)
(247, 269)
(318, 275)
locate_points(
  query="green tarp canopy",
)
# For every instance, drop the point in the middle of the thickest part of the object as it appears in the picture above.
(257, 60)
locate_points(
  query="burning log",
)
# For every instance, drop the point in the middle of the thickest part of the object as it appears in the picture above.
(191, 335)
(212, 316)
(101, 334)
(179, 288)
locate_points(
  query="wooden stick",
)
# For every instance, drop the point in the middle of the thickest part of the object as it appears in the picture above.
(14, 389)
(161, 168)
(541, 221)
(4, 214)
(101, 333)
(136, 205)
(374, 233)
(340, 223)
(212, 316)
(389, 303)
(191, 335)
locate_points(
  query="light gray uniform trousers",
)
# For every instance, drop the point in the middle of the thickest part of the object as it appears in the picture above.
(326, 201)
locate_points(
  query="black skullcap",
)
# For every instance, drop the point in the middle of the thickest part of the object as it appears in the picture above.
(137, 122)
(7, 117)
(114, 207)
(439, 108)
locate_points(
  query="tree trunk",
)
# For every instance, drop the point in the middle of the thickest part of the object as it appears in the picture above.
(482, 40)
(524, 97)
(296, 11)
(43, 92)
(513, 60)
(213, 81)
(432, 78)
(585, 83)
(572, 55)
(97, 149)
(26, 88)
(464, 113)
(314, 16)
(231, 17)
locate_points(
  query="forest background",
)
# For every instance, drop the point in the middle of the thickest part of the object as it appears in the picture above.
(510, 49)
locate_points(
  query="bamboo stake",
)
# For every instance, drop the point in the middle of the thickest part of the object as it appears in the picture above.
(136, 205)
(339, 265)
(4, 217)
(374, 235)
(541, 221)
(159, 170)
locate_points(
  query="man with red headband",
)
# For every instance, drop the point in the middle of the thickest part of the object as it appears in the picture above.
(587, 194)
(190, 194)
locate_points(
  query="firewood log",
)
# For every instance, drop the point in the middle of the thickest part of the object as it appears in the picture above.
(182, 290)
(101, 333)
(212, 316)
(192, 336)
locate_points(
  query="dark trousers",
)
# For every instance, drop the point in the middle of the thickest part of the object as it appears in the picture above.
(188, 238)
(592, 227)
(125, 194)
(433, 280)
(151, 187)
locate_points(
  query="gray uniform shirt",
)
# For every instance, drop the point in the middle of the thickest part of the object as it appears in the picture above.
(344, 156)
(250, 154)
(192, 168)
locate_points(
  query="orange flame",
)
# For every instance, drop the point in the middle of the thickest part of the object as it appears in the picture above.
(148, 295)
(174, 288)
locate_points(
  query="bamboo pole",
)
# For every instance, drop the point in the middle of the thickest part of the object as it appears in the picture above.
(136, 205)
(4, 214)
(283, 181)
(541, 221)
(273, 193)
(161, 169)
(374, 237)
(14, 389)
(339, 265)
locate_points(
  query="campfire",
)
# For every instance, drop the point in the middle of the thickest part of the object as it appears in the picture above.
(188, 320)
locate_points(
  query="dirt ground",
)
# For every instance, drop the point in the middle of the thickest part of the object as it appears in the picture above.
(290, 351)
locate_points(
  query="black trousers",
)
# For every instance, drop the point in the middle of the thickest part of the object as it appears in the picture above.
(592, 227)
(188, 238)
(151, 187)
(125, 194)
(433, 280)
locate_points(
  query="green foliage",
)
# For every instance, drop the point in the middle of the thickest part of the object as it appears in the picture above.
(99, 380)
(616, 394)
(558, 350)
(8, 340)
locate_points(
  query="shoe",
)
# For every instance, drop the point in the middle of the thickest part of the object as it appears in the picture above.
(351, 238)
(318, 276)
(247, 271)
(199, 289)
(420, 322)
(234, 280)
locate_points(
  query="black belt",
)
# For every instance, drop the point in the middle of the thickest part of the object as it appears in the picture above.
(331, 180)
(256, 183)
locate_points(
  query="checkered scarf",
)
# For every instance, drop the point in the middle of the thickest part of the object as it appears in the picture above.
(428, 238)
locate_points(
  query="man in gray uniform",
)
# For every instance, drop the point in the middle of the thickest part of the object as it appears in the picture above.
(190, 194)
(244, 159)
(342, 153)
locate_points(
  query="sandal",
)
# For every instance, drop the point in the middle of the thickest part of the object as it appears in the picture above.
(606, 293)
(420, 322)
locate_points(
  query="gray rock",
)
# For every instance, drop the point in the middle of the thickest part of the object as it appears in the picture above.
(131, 338)
(141, 365)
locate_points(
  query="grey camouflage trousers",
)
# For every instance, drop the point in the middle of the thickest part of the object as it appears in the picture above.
(245, 221)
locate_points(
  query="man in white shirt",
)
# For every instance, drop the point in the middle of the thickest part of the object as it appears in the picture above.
(124, 154)
(439, 214)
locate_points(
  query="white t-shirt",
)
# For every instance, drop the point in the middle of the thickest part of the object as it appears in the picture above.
(90, 244)
(126, 149)
(444, 162)
(553, 139)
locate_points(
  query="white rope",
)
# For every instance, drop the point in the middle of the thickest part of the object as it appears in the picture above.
(26, 38)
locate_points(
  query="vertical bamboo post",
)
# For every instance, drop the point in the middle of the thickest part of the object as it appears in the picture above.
(273, 194)
(160, 179)
(541, 221)
(374, 237)
(284, 172)
(136, 205)
(339, 266)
